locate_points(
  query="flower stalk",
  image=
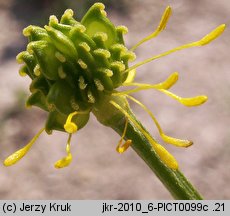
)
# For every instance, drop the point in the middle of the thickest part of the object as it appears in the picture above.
(174, 180)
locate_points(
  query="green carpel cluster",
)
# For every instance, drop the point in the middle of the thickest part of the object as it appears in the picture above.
(73, 65)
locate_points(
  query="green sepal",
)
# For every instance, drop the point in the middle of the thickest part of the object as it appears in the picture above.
(60, 95)
(45, 55)
(95, 21)
(37, 98)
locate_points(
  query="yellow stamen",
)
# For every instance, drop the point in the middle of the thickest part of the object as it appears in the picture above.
(205, 40)
(212, 35)
(69, 126)
(65, 161)
(160, 28)
(193, 101)
(16, 156)
(162, 87)
(167, 139)
(164, 155)
(123, 147)
(168, 83)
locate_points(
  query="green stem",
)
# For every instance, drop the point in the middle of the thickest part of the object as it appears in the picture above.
(108, 115)
(174, 180)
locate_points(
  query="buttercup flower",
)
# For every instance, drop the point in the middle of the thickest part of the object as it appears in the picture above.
(77, 67)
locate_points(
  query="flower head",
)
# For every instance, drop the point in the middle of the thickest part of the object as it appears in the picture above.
(76, 68)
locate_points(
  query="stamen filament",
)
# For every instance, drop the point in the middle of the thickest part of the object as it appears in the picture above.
(168, 83)
(162, 87)
(123, 147)
(65, 161)
(16, 156)
(167, 139)
(160, 28)
(164, 155)
(205, 40)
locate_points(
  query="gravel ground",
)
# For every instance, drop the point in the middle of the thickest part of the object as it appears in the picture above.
(97, 171)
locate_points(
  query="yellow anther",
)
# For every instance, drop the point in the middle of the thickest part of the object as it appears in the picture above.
(166, 157)
(123, 147)
(169, 82)
(16, 156)
(160, 28)
(167, 139)
(60, 57)
(69, 126)
(65, 161)
(164, 19)
(194, 101)
(212, 35)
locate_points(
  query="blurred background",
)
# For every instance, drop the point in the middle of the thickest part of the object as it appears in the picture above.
(97, 171)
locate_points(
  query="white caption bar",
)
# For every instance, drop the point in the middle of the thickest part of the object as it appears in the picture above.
(115, 207)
